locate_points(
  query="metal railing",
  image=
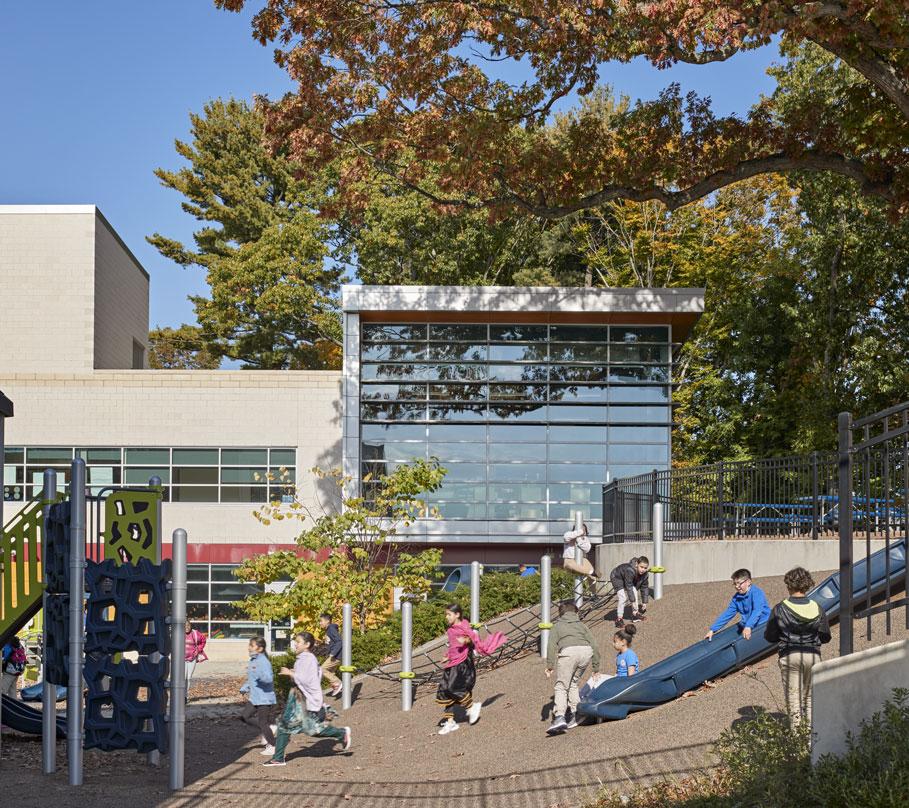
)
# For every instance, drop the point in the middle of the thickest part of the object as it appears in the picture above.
(873, 467)
(779, 497)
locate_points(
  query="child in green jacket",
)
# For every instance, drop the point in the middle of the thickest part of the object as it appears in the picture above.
(570, 650)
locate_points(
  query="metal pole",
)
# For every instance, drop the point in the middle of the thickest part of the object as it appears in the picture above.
(658, 549)
(579, 559)
(814, 495)
(177, 621)
(406, 656)
(475, 594)
(346, 656)
(153, 758)
(545, 602)
(74, 705)
(844, 498)
(720, 496)
(48, 690)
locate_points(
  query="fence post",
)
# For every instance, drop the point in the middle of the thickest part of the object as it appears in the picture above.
(475, 594)
(814, 496)
(346, 655)
(545, 602)
(844, 499)
(153, 758)
(657, 550)
(407, 656)
(579, 559)
(74, 705)
(48, 691)
(177, 621)
(720, 496)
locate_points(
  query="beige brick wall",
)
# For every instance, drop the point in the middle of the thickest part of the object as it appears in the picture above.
(189, 408)
(46, 266)
(121, 301)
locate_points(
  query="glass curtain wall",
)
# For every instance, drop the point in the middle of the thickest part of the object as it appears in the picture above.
(528, 419)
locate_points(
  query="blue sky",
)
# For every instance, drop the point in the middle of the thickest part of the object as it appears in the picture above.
(94, 94)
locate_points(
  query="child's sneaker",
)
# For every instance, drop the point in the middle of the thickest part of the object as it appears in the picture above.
(274, 729)
(268, 750)
(274, 762)
(473, 712)
(558, 725)
(619, 623)
(571, 719)
(448, 726)
(347, 739)
(637, 617)
(337, 689)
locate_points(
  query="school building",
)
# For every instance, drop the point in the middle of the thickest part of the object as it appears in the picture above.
(531, 398)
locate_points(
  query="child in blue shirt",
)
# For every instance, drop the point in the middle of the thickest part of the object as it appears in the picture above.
(749, 601)
(626, 661)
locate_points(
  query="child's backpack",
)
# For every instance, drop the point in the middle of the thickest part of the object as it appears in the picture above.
(15, 664)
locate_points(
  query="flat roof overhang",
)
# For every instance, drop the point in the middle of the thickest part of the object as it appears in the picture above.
(679, 308)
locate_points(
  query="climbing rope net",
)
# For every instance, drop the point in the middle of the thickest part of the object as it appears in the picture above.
(521, 627)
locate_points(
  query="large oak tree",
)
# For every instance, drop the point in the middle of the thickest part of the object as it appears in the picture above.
(407, 83)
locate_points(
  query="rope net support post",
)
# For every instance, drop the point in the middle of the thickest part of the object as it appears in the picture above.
(475, 594)
(579, 560)
(177, 726)
(346, 658)
(75, 708)
(658, 532)
(406, 656)
(545, 602)
(48, 690)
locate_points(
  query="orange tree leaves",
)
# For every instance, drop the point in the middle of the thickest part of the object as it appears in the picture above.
(400, 84)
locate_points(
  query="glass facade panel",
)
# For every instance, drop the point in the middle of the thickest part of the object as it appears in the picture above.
(99, 455)
(48, 455)
(244, 457)
(195, 457)
(245, 493)
(529, 408)
(151, 457)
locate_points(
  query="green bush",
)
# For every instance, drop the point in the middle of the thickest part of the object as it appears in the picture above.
(765, 764)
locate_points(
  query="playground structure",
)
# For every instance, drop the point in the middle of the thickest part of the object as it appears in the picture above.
(136, 604)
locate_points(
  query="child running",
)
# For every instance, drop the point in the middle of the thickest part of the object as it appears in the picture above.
(749, 601)
(460, 673)
(305, 710)
(260, 689)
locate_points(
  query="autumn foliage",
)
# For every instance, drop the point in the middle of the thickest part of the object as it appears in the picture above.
(400, 84)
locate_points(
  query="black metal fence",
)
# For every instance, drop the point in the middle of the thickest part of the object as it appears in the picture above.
(778, 497)
(873, 470)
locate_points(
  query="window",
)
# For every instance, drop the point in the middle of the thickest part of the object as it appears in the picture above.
(204, 474)
(521, 415)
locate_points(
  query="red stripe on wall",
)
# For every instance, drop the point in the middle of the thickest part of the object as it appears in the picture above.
(233, 553)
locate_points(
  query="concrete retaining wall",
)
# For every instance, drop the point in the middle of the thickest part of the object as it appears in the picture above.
(692, 562)
(851, 689)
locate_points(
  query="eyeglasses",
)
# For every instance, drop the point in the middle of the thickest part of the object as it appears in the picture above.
(740, 584)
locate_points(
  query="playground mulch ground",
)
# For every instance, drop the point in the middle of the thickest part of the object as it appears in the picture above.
(397, 758)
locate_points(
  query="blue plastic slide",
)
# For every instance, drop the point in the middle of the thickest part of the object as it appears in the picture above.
(22, 718)
(728, 651)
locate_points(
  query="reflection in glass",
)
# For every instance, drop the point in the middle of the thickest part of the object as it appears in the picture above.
(393, 352)
(578, 333)
(390, 432)
(518, 373)
(640, 434)
(650, 453)
(521, 333)
(478, 332)
(518, 472)
(500, 452)
(533, 434)
(653, 393)
(517, 412)
(577, 453)
(578, 392)
(633, 374)
(574, 492)
(577, 472)
(447, 452)
(629, 414)
(570, 352)
(392, 392)
(462, 510)
(466, 472)
(456, 411)
(515, 510)
(518, 353)
(639, 353)
(457, 492)
(565, 512)
(517, 392)
(517, 493)
(457, 392)
(585, 413)
(578, 373)
(394, 332)
(456, 432)
(457, 352)
(393, 412)
(637, 333)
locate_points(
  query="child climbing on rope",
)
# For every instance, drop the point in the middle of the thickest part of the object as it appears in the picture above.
(459, 674)
(578, 539)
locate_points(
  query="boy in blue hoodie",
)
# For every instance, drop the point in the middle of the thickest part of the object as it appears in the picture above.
(749, 601)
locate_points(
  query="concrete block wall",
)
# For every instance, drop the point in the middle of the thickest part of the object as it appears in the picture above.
(121, 301)
(47, 256)
(691, 562)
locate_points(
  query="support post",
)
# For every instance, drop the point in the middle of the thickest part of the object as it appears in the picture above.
(48, 690)
(407, 656)
(177, 725)
(346, 656)
(579, 559)
(720, 499)
(814, 496)
(545, 602)
(658, 530)
(74, 704)
(153, 758)
(475, 594)
(844, 500)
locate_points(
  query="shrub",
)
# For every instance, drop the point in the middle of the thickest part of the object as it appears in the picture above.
(765, 764)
